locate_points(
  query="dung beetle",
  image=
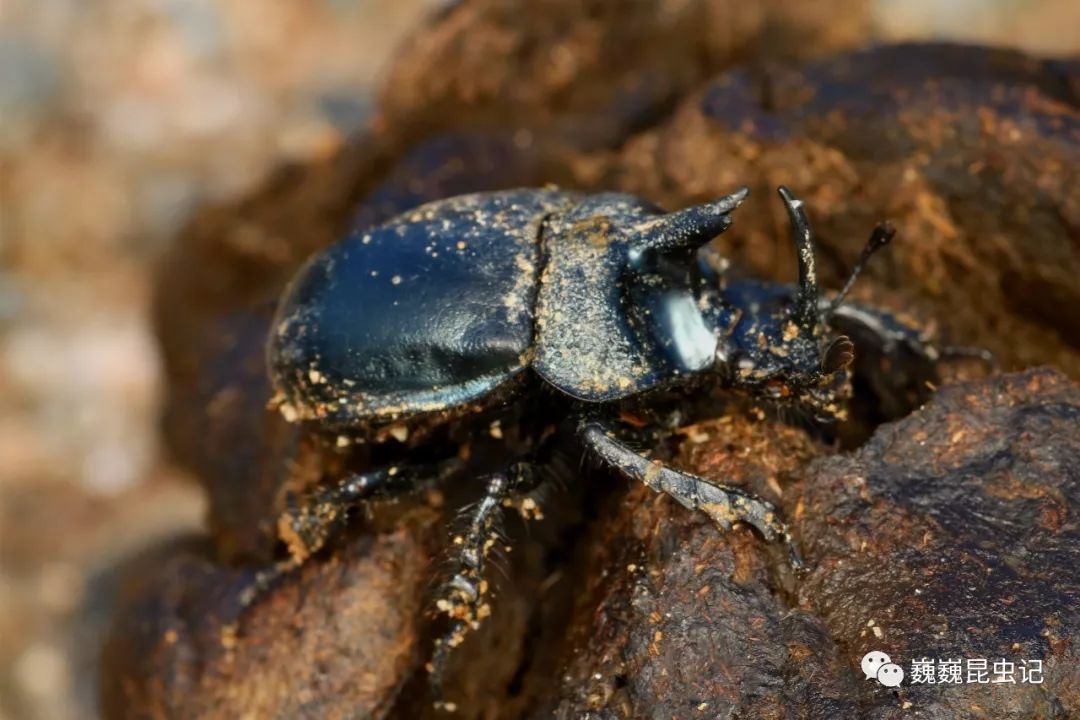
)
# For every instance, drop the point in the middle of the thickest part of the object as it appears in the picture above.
(471, 303)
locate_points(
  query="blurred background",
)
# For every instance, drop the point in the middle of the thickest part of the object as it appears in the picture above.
(118, 119)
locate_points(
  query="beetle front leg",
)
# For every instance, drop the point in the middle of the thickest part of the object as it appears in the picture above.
(725, 505)
(464, 597)
(896, 362)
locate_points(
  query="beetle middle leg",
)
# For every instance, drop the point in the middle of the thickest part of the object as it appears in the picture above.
(725, 505)
(464, 597)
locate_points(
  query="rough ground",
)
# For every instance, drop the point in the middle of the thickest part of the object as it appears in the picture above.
(118, 121)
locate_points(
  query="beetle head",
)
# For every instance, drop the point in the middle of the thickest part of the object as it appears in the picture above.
(780, 346)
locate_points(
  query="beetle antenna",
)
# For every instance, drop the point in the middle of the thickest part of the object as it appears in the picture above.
(879, 238)
(687, 229)
(806, 301)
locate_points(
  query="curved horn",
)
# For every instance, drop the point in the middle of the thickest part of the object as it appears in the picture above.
(687, 229)
(806, 300)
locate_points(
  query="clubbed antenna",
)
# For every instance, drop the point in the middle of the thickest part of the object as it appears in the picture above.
(687, 229)
(806, 300)
(839, 355)
(879, 238)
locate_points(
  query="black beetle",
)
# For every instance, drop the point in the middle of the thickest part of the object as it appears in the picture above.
(462, 304)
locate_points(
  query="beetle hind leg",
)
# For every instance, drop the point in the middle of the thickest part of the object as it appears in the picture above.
(725, 505)
(464, 598)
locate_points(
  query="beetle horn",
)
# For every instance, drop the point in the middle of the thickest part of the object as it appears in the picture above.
(687, 229)
(806, 300)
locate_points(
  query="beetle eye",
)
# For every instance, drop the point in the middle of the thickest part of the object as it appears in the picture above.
(838, 355)
(778, 388)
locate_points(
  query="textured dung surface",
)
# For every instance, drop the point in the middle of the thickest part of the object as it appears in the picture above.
(335, 641)
(957, 532)
(950, 534)
(975, 171)
(592, 72)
